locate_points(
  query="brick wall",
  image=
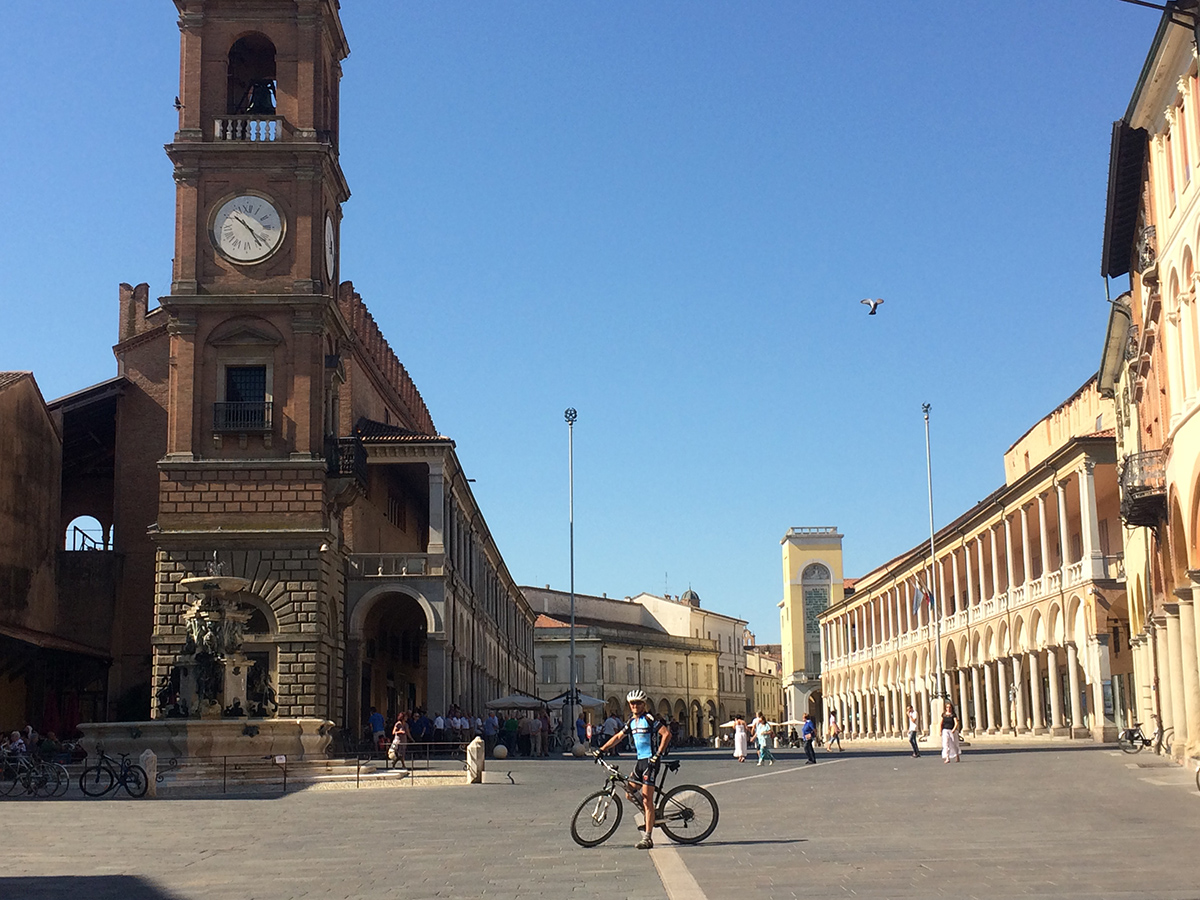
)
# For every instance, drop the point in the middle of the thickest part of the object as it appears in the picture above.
(239, 498)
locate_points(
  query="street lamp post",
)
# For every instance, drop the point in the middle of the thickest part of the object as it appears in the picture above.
(571, 415)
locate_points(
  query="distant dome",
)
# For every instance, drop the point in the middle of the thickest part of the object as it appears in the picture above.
(690, 597)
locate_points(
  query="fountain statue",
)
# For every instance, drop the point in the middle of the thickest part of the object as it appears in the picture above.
(212, 667)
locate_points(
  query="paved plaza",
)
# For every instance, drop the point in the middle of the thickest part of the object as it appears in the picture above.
(1051, 820)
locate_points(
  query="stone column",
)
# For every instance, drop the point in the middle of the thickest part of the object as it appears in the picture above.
(1023, 721)
(977, 726)
(954, 581)
(979, 567)
(1103, 726)
(1026, 550)
(1056, 716)
(995, 579)
(1009, 571)
(1077, 727)
(962, 700)
(1175, 666)
(1035, 694)
(970, 578)
(1064, 532)
(989, 689)
(1043, 536)
(1162, 671)
(1002, 678)
(437, 518)
(1191, 677)
(1093, 559)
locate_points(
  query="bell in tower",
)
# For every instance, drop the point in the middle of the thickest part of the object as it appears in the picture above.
(251, 76)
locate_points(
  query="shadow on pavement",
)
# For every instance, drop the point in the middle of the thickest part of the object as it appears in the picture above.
(745, 843)
(92, 887)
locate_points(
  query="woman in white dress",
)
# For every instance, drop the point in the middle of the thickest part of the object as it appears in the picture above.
(740, 739)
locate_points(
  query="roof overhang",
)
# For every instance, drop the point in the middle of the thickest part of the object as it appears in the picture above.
(1127, 157)
(1115, 340)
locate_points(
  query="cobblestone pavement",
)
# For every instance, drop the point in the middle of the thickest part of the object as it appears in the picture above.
(1054, 820)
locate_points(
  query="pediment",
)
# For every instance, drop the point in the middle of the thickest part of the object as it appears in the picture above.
(245, 332)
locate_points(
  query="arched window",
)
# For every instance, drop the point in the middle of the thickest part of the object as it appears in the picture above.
(251, 77)
(86, 533)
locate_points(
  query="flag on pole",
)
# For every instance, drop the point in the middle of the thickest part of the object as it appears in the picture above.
(919, 597)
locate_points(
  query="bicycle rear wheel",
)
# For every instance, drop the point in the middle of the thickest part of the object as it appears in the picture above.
(9, 778)
(48, 779)
(135, 781)
(687, 813)
(96, 781)
(596, 818)
(1128, 742)
(64, 779)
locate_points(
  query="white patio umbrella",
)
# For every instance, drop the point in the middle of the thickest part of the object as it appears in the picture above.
(515, 701)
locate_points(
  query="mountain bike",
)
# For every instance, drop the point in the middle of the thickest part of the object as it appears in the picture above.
(107, 774)
(36, 777)
(687, 813)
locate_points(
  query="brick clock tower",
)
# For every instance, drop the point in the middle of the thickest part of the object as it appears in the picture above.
(255, 342)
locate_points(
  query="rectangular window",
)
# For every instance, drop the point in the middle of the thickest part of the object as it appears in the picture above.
(708, 672)
(678, 674)
(395, 512)
(696, 674)
(629, 671)
(647, 674)
(549, 670)
(612, 669)
(662, 672)
(579, 670)
(245, 406)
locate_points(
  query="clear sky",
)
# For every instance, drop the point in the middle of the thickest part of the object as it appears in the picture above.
(663, 214)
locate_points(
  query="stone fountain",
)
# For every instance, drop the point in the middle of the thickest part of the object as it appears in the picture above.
(212, 669)
(203, 703)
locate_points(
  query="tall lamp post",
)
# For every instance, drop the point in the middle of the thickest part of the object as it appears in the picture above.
(571, 415)
(941, 680)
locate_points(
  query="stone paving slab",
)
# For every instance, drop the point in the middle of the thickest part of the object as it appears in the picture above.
(1051, 821)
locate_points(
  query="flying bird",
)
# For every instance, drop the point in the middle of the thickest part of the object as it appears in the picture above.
(178, 105)
(872, 304)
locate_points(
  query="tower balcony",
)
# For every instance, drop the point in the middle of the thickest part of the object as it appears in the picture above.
(252, 128)
(346, 458)
(242, 417)
(1144, 488)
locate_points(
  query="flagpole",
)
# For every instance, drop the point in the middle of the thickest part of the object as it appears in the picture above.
(941, 678)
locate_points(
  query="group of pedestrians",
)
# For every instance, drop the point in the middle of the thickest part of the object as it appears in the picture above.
(761, 731)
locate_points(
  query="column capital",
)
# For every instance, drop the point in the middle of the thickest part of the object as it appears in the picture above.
(1184, 595)
(1170, 610)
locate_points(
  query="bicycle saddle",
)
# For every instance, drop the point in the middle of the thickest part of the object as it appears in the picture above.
(673, 765)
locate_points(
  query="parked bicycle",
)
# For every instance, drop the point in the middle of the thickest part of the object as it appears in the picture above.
(687, 813)
(1134, 740)
(107, 774)
(36, 777)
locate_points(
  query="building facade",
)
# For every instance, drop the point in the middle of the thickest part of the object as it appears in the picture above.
(812, 582)
(262, 426)
(1150, 366)
(764, 683)
(1023, 614)
(659, 644)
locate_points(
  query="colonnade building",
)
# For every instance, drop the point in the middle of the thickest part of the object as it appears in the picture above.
(1022, 609)
(1150, 366)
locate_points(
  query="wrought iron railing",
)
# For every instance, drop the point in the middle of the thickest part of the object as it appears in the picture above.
(346, 458)
(1144, 488)
(242, 416)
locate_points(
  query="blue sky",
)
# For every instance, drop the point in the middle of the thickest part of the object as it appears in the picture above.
(664, 215)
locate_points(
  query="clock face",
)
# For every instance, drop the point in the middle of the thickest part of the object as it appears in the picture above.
(330, 247)
(247, 228)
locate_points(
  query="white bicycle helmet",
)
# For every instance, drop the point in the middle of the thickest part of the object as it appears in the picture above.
(635, 694)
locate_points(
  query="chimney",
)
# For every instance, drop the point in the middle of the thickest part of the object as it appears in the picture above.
(134, 303)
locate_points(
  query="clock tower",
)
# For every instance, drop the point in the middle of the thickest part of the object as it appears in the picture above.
(256, 342)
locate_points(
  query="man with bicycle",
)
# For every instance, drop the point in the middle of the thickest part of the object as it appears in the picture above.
(642, 728)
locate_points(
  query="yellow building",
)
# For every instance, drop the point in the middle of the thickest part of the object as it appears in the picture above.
(1026, 621)
(812, 582)
(764, 684)
(1151, 368)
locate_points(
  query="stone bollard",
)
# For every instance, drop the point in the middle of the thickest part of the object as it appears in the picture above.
(475, 755)
(149, 763)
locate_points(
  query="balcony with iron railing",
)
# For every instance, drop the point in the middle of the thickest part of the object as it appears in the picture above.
(346, 458)
(1144, 488)
(242, 417)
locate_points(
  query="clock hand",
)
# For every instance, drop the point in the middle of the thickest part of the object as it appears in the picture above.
(250, 229)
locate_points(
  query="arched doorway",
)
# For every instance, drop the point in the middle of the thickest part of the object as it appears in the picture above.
(395, 664)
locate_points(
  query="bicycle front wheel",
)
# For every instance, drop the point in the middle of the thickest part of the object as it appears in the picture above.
(135, 781)
(96, 781)
(596, 819)
(1129, 743)
(48, 780)
(64, 779)
(688, 814)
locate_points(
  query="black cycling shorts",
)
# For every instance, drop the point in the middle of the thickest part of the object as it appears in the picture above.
(645, 771)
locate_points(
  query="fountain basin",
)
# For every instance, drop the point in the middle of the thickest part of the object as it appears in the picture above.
(306, 738)
(205, 584)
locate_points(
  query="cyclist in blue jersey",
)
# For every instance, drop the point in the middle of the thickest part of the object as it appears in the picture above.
(643, 728)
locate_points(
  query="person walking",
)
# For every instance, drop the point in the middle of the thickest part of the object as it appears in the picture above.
(912, 730)
(740, 739)
(950, 746)
(376, 725)
(762, 737)
(399, 747)
(808, 735)
(834, 733)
